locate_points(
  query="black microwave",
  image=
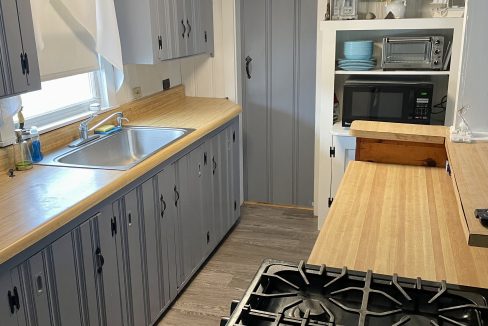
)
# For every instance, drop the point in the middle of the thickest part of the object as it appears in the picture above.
(389, 100)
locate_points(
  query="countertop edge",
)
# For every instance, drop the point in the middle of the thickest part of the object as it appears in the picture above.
(125, 178)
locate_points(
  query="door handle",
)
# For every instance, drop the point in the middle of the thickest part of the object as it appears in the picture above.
(189, 28)
(177, 197)
(100, 260)
(163, 206)
(214, 163)
(248, 62)
(184, 28)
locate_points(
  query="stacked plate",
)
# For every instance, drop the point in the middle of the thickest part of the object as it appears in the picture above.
(358, 56)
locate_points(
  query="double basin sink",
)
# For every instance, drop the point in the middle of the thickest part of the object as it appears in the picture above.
(119, 151)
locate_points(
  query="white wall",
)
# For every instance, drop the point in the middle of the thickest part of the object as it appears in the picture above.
(474, 75)
(202, 75)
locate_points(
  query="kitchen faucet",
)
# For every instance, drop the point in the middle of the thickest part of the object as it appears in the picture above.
(83, 128)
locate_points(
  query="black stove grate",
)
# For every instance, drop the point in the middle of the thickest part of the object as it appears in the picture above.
(288, 294)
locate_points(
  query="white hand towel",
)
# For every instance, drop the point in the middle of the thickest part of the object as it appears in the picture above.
(9, 107)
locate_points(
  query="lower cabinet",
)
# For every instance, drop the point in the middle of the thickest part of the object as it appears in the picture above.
(125, 265)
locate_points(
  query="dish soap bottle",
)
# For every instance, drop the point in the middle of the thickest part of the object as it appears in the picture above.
(36, 145)
(22, 153)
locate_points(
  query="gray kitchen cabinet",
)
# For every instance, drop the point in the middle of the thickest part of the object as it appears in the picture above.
(169, 231)
(19, 64)
(235, 168)
(155, 30)
(12, 310)
(134, 257)
(190, 217)
(126, 264)
(206, 6)
(62, 278)
(2, 79)
(107, 240)
(156, 277)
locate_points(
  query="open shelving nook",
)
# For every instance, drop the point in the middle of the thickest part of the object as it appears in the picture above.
(336, 147)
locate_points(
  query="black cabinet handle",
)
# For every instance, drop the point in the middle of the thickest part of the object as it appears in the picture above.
(189, 28)
(163, 206)
(22, 63)
(13, 300)
(214, 163)
(184, 28)
(177, 197)
(26, 60)
(113, 225)
(248, 71)
(100, 260)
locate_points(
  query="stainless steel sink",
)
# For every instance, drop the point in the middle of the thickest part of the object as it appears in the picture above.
(119, 151)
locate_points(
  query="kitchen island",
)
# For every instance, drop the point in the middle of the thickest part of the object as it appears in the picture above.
(406, 219)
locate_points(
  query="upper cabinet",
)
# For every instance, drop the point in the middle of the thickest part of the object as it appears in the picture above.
(155, 30)
(19, 68)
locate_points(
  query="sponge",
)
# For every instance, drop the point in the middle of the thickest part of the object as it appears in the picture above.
(106, 130)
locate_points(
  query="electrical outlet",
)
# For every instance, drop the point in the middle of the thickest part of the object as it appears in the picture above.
(137, 92)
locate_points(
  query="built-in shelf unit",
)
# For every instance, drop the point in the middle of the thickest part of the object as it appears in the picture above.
(335, 145)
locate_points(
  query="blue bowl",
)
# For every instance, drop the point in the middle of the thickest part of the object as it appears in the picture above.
(359, 43)
(358, 56)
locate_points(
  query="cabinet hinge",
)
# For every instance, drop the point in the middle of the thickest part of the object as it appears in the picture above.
(331, 200)
(113, 226)
(160, 42)
(205, 158)
(234, 136)
(332, 151)
(448, 168)
(206, 39)
(235, 205)
(208, 237)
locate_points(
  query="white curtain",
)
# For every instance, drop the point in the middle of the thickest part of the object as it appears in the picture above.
(94, 23)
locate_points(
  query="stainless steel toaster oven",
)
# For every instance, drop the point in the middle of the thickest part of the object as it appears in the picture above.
(413, 53)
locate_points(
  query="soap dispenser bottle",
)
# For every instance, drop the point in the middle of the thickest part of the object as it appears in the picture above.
(22, 153)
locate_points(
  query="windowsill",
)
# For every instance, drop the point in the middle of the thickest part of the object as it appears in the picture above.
(71, 120)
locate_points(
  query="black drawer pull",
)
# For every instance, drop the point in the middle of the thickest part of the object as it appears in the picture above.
(13, 300)
(184, 28)
(163, 206)
(100, 260)
(177, 197)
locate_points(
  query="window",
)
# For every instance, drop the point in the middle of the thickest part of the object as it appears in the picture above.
(60, 99)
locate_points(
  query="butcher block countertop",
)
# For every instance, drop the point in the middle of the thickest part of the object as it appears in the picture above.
(36, 203)
(399, 132)
(399, 219)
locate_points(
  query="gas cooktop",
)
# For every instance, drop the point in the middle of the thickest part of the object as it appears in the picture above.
(283, 294)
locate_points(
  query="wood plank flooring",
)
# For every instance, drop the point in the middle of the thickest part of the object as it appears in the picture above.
(263, 232)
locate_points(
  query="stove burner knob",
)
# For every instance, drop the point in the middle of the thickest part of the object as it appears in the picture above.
(437, 42)
(436, 62)
(437, 51)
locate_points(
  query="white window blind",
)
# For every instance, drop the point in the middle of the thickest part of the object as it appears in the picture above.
(60, 47)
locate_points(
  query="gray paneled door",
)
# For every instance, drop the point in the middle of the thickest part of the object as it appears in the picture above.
(279, 55)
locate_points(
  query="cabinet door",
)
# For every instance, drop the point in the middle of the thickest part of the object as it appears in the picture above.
(9, 313)
(62, 279)
(206, 12)
(37, 295)
(20, 40)
(235, 169)
(2, 80)
(168, 30)
(170, 235)
(154, 253)
(191, 26)
(345, 149)
(181, 28)
(29, 45)
(107, 228)
(208, 231)
(216, 185)
(226, 185)
(135, 268)
(190, 217)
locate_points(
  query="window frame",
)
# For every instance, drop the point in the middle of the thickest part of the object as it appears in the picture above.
(70, 112)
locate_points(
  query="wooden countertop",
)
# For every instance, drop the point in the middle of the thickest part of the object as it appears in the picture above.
(399, 132)
(37, 202)
(399, 219)
(469, 165)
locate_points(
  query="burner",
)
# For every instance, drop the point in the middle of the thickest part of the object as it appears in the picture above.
(310, 307)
